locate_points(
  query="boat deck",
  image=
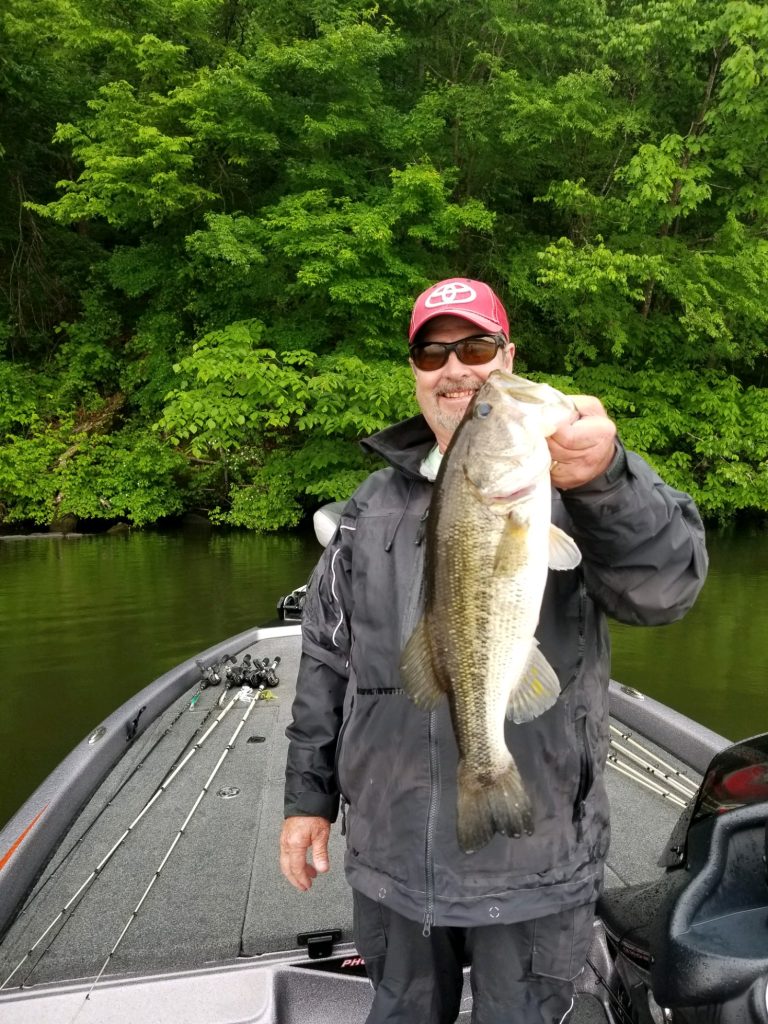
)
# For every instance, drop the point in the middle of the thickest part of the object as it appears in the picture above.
(219, 897)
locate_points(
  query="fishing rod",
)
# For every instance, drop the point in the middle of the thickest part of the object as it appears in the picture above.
(108, 856)
(267, 672)
(235, 675)
(629, 738)
(258, 678)
(687, 789)
(208, 677)
(241, 725)
(662, 770)
(632, 773)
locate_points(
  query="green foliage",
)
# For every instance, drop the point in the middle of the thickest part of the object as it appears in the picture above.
(231, 390)
(126, 474)
(348, 396)
(21, 393)
(136, 171)
(701, 430)
(59, 470)
(215, 217)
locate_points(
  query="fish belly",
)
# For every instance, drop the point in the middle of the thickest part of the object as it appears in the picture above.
(488, 638)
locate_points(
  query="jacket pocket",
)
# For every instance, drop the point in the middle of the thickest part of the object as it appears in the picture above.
(337, 753)
(561, 943)
(586, 769)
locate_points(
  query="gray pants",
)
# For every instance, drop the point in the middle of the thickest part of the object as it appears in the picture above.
(520, 973)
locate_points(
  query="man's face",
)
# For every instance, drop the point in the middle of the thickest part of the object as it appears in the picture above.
(443, 395)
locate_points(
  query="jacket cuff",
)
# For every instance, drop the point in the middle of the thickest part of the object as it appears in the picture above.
(311, 805)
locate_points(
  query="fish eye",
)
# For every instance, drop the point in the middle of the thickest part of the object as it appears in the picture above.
(483, 409)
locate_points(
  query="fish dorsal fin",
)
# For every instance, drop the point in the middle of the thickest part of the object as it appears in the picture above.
(563, 550)
(537, 690)
(419, 678)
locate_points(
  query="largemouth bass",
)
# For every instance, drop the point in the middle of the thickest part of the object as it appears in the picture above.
(489, 544)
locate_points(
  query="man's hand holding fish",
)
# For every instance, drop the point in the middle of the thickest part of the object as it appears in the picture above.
(584, 446)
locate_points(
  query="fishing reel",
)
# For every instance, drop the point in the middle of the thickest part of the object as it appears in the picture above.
(250, 676)
(266, 672)
(210, 676)
(234, 673)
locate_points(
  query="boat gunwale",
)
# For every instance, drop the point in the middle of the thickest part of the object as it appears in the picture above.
(689, 741)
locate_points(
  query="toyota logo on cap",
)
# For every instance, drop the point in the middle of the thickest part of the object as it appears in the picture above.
(474, 301)
(449, 294)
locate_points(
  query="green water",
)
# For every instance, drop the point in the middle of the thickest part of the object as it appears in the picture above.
(713, 665)
(85, 623)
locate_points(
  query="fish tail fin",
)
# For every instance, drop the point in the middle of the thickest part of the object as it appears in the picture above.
(486, 807)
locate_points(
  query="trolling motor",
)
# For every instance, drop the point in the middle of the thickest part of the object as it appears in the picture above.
(693, 946)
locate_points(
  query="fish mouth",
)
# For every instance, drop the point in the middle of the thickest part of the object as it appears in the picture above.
(514, 496)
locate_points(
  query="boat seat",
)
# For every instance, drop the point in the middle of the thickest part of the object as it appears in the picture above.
(629, 912)
(326, 519)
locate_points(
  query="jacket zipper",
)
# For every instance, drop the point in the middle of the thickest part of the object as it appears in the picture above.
(585, 770)
(434, 795)
(585, 776)
(582, 641)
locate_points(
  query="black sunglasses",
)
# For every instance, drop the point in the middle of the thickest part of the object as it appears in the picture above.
(472, 351)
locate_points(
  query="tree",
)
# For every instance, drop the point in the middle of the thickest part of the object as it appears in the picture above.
(226, 210)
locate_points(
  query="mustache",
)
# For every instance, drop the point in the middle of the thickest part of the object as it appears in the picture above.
(447, 387)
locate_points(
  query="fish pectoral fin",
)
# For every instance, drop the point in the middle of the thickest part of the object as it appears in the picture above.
(537, 690)
(563, 550)
(419, 679)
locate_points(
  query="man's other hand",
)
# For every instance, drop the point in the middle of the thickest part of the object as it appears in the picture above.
(300, 835)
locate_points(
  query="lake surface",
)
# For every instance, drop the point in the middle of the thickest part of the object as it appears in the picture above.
(86, 622)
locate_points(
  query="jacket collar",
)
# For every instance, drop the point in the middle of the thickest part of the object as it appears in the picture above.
(404, 445)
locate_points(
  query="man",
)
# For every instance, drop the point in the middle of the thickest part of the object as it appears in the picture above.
(521, 909)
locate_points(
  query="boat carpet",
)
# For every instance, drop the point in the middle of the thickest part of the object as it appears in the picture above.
(195, 910)
(220, 895)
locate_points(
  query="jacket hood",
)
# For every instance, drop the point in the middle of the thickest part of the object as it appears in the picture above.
(404, 445)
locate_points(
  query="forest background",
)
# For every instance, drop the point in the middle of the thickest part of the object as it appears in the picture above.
(215, 215)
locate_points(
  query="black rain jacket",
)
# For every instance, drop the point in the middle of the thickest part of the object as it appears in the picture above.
(357, 737)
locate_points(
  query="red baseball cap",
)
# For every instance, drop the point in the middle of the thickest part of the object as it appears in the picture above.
(459, 296)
